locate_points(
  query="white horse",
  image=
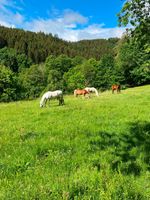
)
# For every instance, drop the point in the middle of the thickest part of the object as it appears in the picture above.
(58, 94)
(92, 89)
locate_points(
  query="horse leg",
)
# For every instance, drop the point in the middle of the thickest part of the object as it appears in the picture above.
(48, 102)
(119, 90)
(87, 95)
(61, 101)
(45, 102)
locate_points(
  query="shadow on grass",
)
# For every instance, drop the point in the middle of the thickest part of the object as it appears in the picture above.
(28, 135)
(131, 150)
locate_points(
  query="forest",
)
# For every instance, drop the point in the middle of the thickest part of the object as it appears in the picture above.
(32, 63)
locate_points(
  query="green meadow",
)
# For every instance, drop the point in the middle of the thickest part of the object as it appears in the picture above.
(88, 149)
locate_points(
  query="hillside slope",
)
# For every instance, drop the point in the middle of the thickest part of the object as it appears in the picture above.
(38, 46)
(95, 148)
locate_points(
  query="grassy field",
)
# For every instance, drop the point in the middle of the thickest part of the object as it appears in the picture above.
(88, 149)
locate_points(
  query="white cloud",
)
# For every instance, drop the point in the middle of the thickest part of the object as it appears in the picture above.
(7, 16)
(67, 32)
(62, 25)
(69, 25)
(3, 23)
(70, 17)
(96, 32)
(18, 18)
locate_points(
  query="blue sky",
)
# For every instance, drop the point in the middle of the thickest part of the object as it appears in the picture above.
(71, 20)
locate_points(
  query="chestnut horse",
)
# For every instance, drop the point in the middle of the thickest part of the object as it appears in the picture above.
(116, 87)
(80, 92)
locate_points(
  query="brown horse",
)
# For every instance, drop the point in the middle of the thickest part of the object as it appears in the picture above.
(80, 92)
(116, 87)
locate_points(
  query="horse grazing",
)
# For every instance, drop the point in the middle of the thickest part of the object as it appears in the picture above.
(58, 94)
(92, 89)
(80, 92)
(116, 87)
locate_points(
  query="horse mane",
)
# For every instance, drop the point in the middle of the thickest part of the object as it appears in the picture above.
(43, 99)
(96, 91)
(92, 89)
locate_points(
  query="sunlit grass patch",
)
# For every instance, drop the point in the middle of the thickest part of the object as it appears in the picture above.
(95, 148)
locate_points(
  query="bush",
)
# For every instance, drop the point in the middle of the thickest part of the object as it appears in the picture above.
(8, 85)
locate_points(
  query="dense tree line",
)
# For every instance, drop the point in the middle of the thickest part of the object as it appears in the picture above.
(32, 63)
(57, 72)
(38, 46)
(22, 79)
(134, 50)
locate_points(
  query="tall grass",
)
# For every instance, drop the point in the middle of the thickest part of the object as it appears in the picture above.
(97, 148)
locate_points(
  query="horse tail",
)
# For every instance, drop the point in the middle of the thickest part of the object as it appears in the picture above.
(75, 93)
